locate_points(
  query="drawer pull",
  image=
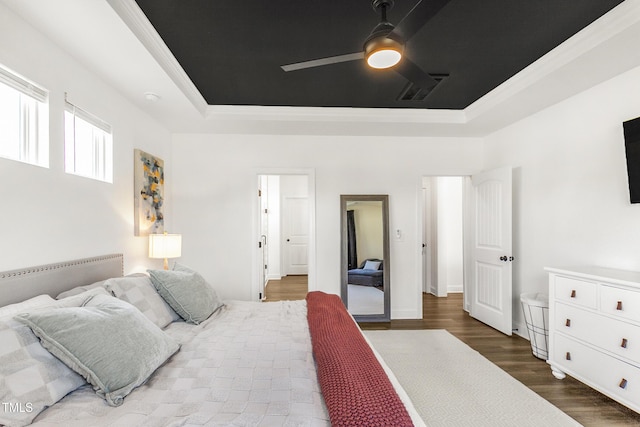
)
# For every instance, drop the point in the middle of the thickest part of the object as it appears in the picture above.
(568, 323)
(568, 356)
(624, 343)
(573, 293)
(619, 306)
(623, 383)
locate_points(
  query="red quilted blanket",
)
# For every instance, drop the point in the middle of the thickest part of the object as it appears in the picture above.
(355, 387)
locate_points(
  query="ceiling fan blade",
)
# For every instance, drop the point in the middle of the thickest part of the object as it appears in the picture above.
(323, 61)
(415, 75)
(417, 17)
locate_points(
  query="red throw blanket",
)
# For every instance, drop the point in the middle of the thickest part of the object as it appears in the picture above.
(355, 387)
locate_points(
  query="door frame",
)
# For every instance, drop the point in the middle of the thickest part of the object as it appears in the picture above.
(263, 230)
(256, 262)
(427, 235)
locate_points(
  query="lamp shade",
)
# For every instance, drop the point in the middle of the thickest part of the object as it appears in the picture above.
(165, 245)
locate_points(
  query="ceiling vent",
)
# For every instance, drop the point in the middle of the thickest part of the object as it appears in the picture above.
(413, 92)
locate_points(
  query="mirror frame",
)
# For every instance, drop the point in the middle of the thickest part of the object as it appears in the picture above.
(384, 198)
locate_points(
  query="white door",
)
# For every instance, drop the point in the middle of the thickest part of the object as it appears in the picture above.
(491, 302)
(296, 235)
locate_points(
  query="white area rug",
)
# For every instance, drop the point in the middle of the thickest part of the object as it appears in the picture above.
(365, 300)
(450, 384)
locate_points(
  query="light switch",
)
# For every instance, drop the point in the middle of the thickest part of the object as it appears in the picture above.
(398, 234)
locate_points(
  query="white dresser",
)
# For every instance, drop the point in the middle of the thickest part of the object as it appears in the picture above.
(594, 330)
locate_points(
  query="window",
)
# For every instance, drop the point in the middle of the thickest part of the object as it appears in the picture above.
(24, 120)
(88, 145)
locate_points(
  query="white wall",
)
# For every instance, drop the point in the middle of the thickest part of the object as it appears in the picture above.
(214, 182)
(449, 235)
(46, 214)
(571, 200)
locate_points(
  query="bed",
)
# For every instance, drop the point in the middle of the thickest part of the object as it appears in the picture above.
(369, 273)
(167, 357)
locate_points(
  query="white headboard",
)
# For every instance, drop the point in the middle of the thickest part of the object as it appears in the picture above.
(19, 285)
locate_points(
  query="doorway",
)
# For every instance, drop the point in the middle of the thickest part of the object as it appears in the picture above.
(443, 234)
(484, 262)
(285, 234)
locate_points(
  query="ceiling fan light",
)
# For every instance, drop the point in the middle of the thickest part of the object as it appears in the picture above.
(384, 58)
(382, 52)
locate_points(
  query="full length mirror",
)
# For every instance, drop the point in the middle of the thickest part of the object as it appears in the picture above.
(365, 256)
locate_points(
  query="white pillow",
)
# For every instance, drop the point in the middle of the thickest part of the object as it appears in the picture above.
(80, 289)
(20, 307)
(371, 265)
(31, 378)
(78, 300)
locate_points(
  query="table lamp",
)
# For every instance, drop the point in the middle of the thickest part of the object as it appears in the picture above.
(165, 246)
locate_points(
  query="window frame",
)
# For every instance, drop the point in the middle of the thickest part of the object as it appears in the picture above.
(32, 146)
(99, 164)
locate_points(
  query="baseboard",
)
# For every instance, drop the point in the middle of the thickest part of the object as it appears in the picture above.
(457, 289)
(521, 330)
(405, 315)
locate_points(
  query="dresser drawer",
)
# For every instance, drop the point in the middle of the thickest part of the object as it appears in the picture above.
(613, 335)
(613, 377)
(619, 302)
(575, 291)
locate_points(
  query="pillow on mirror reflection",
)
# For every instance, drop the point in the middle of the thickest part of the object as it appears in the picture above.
(371, 265)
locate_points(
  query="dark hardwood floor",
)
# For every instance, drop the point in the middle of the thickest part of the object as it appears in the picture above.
(512, 354)
(288, 288)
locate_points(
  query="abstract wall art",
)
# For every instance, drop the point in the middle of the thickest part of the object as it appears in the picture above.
(148, 194)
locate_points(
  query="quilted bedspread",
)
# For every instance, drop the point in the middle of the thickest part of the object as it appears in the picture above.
(249, 364)
(354, 384)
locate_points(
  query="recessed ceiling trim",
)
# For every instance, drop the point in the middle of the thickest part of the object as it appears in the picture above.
(617, 20)
(337, 114)
(139, 24)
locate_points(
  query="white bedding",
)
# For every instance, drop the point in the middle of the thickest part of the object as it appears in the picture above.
(249, 364)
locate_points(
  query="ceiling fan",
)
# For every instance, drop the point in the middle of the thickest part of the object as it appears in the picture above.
(384, 47)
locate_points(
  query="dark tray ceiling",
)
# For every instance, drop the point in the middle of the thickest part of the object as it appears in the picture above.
(233, 50)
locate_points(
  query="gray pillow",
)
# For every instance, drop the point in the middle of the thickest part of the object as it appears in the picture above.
(186, 292)
(107, 341)
(136, 289)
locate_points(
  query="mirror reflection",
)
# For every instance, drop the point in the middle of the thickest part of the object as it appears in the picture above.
(365, 256)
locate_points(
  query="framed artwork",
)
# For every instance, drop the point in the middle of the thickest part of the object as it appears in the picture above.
(148, 191)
